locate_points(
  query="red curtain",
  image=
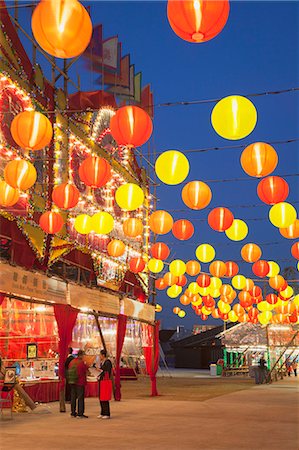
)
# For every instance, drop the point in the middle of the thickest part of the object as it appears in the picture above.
(2, 297)
(152, 356)
(120, 337)
(65, 317)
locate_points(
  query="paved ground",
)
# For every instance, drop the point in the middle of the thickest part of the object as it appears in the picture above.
(206, 414)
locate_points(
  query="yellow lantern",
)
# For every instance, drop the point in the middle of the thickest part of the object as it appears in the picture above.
(274, 269)
(177, 267)
(193, 288)
(102, 223)
(205, 253)
(204, 291)
(215, 293)
(223, 307)
(83, 224)
(287, 293)
(239, 282)
(264, 306)
(234, 117)
(155, 265)
(282, 215)
(206, 311)
(174, 291)
(129, 196)
(181, 314)
(264, 317)
(232, 316)
(196, 301)
(296, 300)
(172, 167)
(158, 308)
(9, 196)
(215, 284)
(237, 231)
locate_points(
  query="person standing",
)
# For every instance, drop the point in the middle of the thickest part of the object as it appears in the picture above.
(105, 372)
(68, 360)
(77, 374)
(294, 366)
(289, 367)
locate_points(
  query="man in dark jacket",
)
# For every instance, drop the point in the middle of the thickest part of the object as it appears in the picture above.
(69, 358)
(78, 369)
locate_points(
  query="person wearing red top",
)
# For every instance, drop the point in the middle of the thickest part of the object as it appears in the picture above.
(78, 388)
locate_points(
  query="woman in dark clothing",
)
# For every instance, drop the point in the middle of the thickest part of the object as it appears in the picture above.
(105, 367)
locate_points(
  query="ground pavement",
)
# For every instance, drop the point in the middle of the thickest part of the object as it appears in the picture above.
(191, 413)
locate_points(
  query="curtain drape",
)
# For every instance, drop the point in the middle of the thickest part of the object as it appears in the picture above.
(2, 297)
(65, 317)
(120, 337)
(152, 356)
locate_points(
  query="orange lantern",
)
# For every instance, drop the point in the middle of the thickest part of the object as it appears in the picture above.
(217, 269)
(51, 222)
(160, 284)
(61, 27)
(196, 195)
(261, 268)
(184, 300)
(239, 310)
(251, 253)
(291, 232)
(20, 174)
(176, 310)
(203, 280)
(9, 196)
(131, 126)
(137, 264)
(277, 282)
(65, 196)
(249, 285)
(183, 229)
(182, 281)
(272, 299)
(259, 159)
(220, 219)
(116, 248)
(295, 250)
(245, 299)
(215, 313)
(95, 171)
(160, 222)
(160, 251)
(272, 190)
(226, 290)
(193, 268)
(31, 130)
(170, 279)
(132, 227)
(197, 21)
(232, 269)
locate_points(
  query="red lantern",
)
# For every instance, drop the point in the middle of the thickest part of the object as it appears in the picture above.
(255, 292)
(208, 301)
(217, 269)
(203, 280)
(137, 265)
(197, 21)
(183, 229)
(192, 268)
(272, 190)
(232, 269)
(272, 299)
(261, 268)
(253, 313)
(131, 126)
(182, 281)
(220, 219)
(160, 251)
(295, 250)
(51, 222)
(65, 196)
(160, 284)
(95, 171)
(204, 317)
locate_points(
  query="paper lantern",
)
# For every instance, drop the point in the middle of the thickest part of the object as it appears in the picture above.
(129, 196)
(116, 248)
(183, 229)
(237, 231)
(220, 219)
(255, 292)
(196, 300)
(204, 290)
(197, 21)
(259, 159)
(182, 281)
(31, 130)
(62, 28)
(249, 285)
(83, 224)
(295, 250)
(192, 268)
(253, 313)
(264, 317)
(272, 299)
(215, 283)
(170, 279)
(261, 268)
(20, 174)
(277, 282)
(177, 267)
(217, 269)
(155, 265)
(223, 307)
(9, 196)
(160, 251)
(172, 167)
(251, 253)
(132, 227)
(274, 269)
(174, 291)
(131, 126)
(158, 308)
(238, 309)
(206, 311)
(102, 223)
(234, 117)
(282, 215)
(232, 269)
(95, 171)
(272, 190)
(264, 306)
(215, 293)
(51, 222)
(193, 288)
(176, 310)
(226, 289)
(137, 264)
(184, 300)
(203, 280)
(232, 316)
(205, 253)
(160, 222)
(181, 314)
(238, 282)
(160, 284)
(208, 301)
(287, 293)
(196, 195)
(291, 232)
(65, 196)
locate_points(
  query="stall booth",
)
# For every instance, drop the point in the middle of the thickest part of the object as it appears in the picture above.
(245, 344)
